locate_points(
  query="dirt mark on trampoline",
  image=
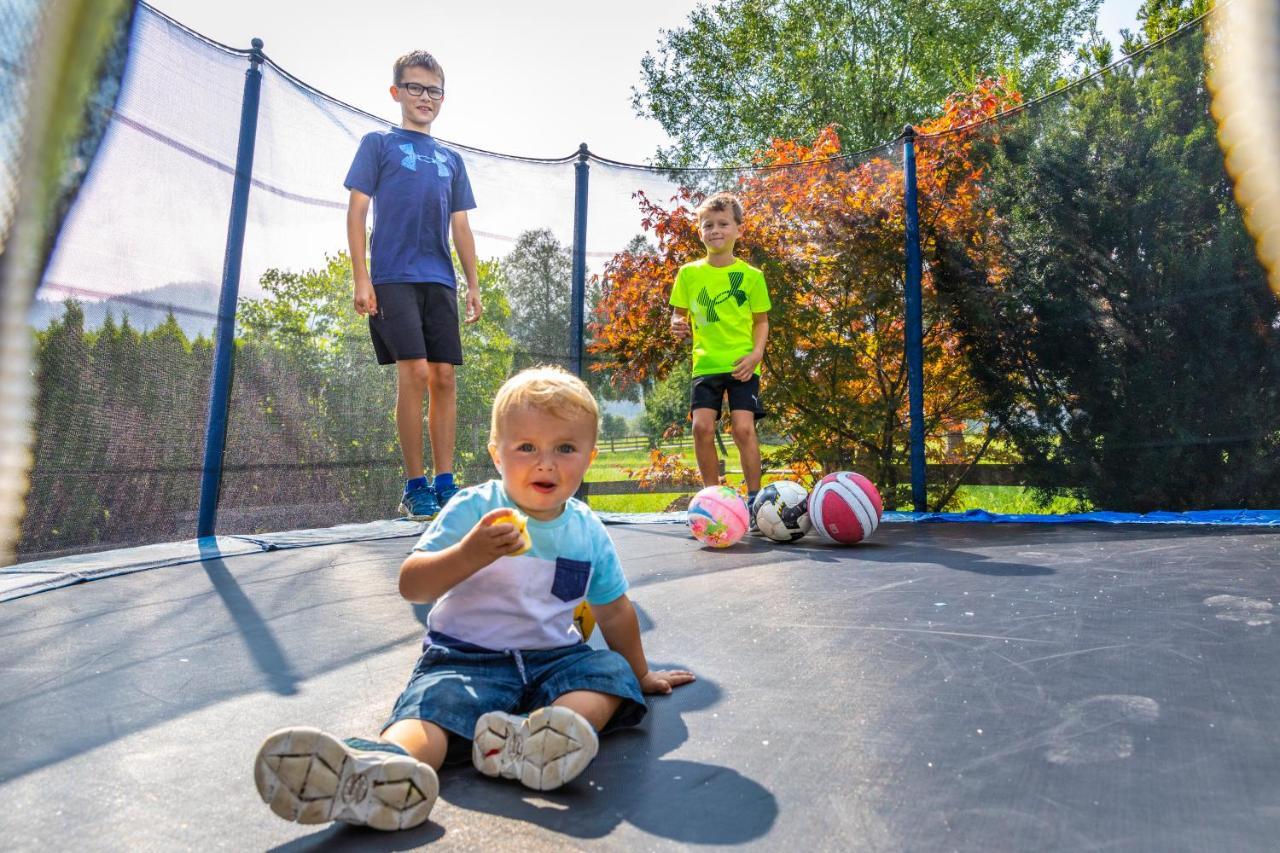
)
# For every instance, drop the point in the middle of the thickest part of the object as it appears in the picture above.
(1238, 608)
(1099, 729)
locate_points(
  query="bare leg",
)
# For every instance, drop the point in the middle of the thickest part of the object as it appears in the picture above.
(597, 708)
(411, 387)
(744, 435)
(442, 414)
(704, 446)
(425, 741)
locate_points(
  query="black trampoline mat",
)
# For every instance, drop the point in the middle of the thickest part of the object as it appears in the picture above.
(941, 687)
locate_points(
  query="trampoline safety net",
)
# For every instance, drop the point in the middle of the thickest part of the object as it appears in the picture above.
(1098, 333)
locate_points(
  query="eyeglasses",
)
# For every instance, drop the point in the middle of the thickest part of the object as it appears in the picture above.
(435, 93)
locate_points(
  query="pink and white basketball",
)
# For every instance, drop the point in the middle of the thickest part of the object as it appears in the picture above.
(718, 516)
(845, 508)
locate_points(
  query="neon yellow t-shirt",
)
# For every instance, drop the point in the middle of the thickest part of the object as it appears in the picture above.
(720, 302)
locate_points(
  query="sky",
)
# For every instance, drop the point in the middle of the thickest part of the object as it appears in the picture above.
(532, 79)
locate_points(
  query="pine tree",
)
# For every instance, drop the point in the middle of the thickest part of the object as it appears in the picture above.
(1131, 347)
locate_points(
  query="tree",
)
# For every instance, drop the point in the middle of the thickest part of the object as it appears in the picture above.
(1128, 342)
(311, 439)
(537, 278)
(120, 425)
(312, 396)
(118, 348)
(743, 72)
(666, 406)
(829, 238)
(1160, 18)
(60, 509)
(613, 426)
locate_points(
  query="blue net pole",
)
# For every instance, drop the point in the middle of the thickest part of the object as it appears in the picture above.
(581, 170)
(914, 332)
(215, 438)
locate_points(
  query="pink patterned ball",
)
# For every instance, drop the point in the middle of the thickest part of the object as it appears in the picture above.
(718, 516)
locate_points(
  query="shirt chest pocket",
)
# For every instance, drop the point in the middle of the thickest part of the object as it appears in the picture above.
(570, 581)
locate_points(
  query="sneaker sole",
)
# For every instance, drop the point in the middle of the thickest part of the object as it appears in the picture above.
(543, 751)
(308, 776)
(406, 513)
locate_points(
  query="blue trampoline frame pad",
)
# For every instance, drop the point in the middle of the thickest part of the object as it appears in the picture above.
(26, 579)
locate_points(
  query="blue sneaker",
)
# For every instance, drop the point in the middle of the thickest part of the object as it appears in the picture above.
(420, 504)
(445, 495)
(309, 776)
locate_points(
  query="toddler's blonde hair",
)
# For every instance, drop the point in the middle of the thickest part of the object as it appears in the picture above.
(548, 389)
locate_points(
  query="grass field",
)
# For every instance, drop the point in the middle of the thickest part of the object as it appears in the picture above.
(612, 466)
(1010, 500)
(1006, 500)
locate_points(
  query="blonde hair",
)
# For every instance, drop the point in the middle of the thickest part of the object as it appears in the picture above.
(549, 389)
(720, 202)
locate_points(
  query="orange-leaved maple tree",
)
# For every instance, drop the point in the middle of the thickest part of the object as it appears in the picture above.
(829, 234)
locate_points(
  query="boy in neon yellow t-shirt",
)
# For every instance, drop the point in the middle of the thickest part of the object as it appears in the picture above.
(728, 304)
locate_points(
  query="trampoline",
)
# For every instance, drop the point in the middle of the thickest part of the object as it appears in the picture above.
(999, 685)
(941, 686)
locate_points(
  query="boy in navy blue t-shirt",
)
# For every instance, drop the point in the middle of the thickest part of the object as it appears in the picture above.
(419, 191)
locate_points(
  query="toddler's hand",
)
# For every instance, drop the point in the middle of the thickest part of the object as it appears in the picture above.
(489, 540)
(664, 680)
(680, 326)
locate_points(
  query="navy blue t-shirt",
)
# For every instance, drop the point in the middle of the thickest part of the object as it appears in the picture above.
(416, 184)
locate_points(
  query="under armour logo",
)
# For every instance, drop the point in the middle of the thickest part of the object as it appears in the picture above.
(411, 158)
(735, 288)
(734, 292)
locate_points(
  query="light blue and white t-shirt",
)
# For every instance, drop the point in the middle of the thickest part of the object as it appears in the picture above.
(523, 602)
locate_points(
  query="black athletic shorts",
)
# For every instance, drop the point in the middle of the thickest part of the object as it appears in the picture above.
(708, 392)
(416, 320)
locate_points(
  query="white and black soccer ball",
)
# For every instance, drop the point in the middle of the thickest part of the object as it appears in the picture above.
(782, 511)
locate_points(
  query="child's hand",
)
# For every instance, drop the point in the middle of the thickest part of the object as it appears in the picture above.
(366, 301)
(488, 541)
(745, 366)
(664, 680)
(474, 307)
(680, 326)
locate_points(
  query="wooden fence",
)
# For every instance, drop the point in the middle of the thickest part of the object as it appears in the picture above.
(630, 443)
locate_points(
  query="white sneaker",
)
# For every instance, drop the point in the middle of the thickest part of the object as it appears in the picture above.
(309, 776)
(543, 751)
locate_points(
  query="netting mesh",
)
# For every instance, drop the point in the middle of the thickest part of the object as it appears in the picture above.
(19, 24)
(127, 304)
(1097, 332)
(826, 228)
(311, 436)
(1107, 300)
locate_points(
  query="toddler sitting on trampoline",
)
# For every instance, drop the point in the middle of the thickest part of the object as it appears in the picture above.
(505, 672)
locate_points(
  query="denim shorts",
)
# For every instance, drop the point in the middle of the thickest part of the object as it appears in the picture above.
(452, 688)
